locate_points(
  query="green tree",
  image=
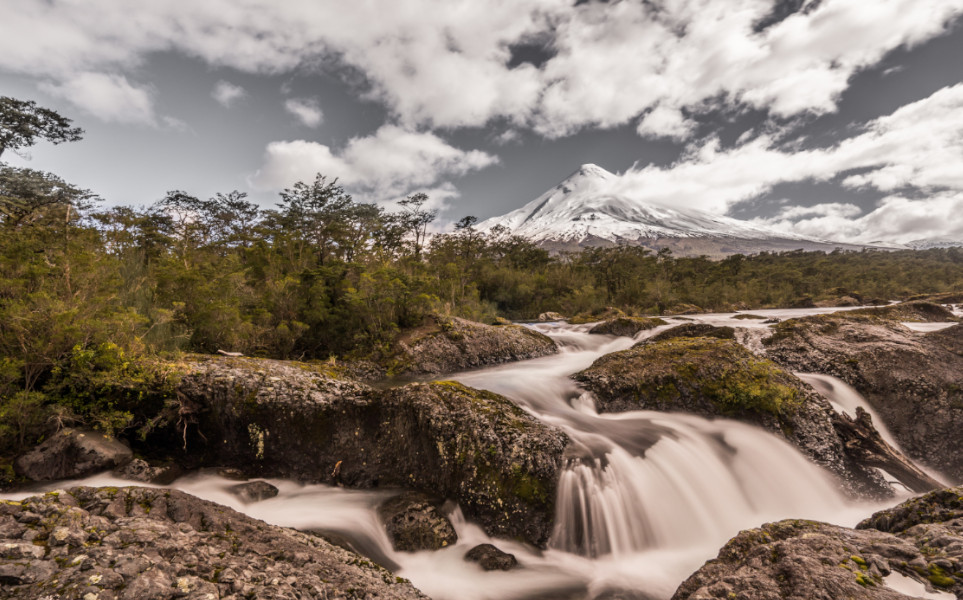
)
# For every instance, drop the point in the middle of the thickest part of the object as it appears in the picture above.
(22, 123)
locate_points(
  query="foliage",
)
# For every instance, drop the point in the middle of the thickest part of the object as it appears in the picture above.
(22, 122)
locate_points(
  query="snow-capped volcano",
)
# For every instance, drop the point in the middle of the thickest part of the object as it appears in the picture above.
(582, 211)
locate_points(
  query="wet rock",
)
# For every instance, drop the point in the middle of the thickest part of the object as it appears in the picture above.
(627, 326)
(253, 491)
(72, 453)
(921, 539)
(491, 558)
(278, 419)
(913, 380)
(140, 470)
(714, 377)
(448, 345)
(414, 523)
(550, 316)
(695, 330)
(162, 544)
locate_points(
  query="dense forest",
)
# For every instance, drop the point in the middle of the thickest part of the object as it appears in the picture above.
(321, 275)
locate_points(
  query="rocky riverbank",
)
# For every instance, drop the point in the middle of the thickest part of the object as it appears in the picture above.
(914, 380)
(920, 540)
(154, 544)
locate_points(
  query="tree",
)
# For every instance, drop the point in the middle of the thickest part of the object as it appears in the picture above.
(22, 122)
(416, 218)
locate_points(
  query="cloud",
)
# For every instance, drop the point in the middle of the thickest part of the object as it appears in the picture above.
(108, 97)
(445, 65)
(665, 122)
(911, 157)
(386, 165)
(227, 93)
(896, 219)
(307, 111)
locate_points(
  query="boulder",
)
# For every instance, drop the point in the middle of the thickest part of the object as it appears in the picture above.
(142, 471)
(913, 380)
(695, 330)
(714, 377)
(250, 492)
(448, 345)
(627, 326)
(550, 316)
(138, 543)
(72, 453)
(280, 419)
(491, 558)
(414, 523)
(920, 540)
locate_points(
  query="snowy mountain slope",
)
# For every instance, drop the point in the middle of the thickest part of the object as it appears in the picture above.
(937, 242)
(581, 211)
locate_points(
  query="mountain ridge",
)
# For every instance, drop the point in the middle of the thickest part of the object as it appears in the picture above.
(583, 211)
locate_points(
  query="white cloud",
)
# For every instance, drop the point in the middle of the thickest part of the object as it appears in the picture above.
(896, 219)
(108, 97)
(446, 64)
(665, 122)
(384, 166)
(227, 93)
(307, 111)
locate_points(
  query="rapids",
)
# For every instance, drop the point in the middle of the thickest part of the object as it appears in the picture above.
(645, 498)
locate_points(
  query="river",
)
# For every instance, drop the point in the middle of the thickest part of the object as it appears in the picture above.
(645, 499)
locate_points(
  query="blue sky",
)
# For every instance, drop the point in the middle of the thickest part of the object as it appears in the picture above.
(836, 118)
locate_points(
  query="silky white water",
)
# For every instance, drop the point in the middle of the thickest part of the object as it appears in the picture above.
(645, 499)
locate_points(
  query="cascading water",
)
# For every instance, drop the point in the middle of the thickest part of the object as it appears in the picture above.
(644, 500)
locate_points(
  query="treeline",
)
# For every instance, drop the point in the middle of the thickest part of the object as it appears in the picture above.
(83, 290)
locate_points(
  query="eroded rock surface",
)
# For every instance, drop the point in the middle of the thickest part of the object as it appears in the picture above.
(719, 378)
(490, 558)
(913, 380)
(137, 543)
(413, 523)
(921, 539)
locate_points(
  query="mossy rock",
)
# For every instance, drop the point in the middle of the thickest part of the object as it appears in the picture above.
(702, 375)
(690, 330)
(627, 326)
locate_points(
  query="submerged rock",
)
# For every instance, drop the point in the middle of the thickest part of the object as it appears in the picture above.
(491, 558)
(451, 344)
(627, 326)
(714, 377)
(913, 380)
(414, 523)
(277, 419)
(921, 539)
(72, 453)
(253, 491)
(142, 471)
(139, 543)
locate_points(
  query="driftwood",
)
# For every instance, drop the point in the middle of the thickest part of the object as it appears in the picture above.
(226, 353)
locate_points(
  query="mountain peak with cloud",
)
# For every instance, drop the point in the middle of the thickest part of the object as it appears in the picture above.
(590, 208)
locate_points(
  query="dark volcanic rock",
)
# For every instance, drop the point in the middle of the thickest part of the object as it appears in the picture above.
(137, 543)
(451, 344)
(414, 523)
(914, 380)
(695, 330)
(720, 378)
(627, 326)
(277, 419)
(921, 539)
(253, 491)
(144, 472)
(72, 453)
(491, 558)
